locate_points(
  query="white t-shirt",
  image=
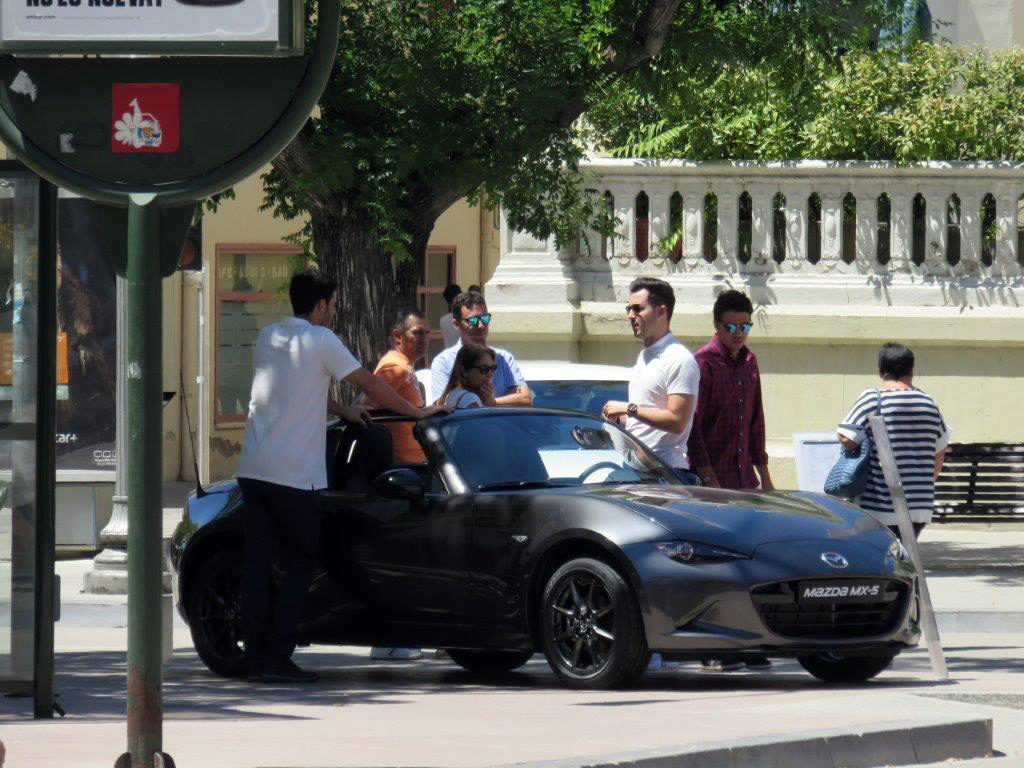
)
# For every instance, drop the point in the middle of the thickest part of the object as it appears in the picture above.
(449, 331)
(662, 369)
(462, 398)
(285, 437)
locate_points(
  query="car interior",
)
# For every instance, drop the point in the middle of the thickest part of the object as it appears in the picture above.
(356, 456)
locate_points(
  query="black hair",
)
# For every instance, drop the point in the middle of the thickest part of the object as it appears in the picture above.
(450, 292)
(659, 293)
(400, 321)
(732, 301)
(307, 288)
(895, 361)
(469, 299)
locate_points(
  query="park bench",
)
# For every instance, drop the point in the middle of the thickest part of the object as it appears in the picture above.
(981, 480)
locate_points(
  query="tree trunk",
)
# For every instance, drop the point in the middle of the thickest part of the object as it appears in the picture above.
(372, 284)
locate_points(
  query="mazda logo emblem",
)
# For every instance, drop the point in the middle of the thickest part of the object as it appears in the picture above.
(834, 559)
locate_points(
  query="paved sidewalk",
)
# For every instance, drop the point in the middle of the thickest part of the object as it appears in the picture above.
(431, 713)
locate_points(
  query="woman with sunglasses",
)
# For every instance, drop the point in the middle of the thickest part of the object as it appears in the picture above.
(470, 385)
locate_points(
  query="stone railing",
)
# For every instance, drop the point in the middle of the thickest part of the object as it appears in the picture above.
(809, 217)
(862, 242)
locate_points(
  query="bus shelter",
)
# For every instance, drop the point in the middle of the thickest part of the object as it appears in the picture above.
(28, 295)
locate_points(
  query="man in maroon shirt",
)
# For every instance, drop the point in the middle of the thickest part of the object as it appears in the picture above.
(727, 440)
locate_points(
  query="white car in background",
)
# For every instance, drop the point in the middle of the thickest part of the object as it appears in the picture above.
(554, 384)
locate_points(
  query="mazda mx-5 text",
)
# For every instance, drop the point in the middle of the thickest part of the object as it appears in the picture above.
(538, 530)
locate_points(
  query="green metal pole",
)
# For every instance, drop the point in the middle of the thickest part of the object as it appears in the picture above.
(145, 425)
(46, 460)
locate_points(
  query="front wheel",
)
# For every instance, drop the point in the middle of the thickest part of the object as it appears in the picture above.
(215, 615)
(590, 626)
(836, 668)
(493, 662)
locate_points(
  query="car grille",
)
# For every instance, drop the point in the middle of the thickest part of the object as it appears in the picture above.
(781, 612)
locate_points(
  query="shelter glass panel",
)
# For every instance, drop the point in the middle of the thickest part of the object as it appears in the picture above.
(19, 258)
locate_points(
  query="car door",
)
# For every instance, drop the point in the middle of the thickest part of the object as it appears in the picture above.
(406, 559)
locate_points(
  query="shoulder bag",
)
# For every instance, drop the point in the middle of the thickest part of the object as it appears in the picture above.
(849, 476)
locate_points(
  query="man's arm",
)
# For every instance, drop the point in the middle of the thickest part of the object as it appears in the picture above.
(756, 446)
(384, 396)
(939, 458)
(673, 418)
(696, 448)
(516, 396)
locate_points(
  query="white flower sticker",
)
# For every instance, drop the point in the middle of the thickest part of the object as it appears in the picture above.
(127, 129)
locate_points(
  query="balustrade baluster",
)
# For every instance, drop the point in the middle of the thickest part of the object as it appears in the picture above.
(728, 225)
(659, 204)
(901, 223)
(866, 247)
(625, 211)
(831, 226)
(1005, 261)
(693, 222)
(970, 227)
(936, 216)
(761, 213)
(796, 225)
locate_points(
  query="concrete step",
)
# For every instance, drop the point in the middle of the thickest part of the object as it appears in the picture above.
(914, 742)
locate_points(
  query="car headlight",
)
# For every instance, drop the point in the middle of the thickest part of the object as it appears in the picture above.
(691, 552)
(898, 552)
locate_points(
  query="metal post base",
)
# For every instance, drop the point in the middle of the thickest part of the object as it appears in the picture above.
(160, 760)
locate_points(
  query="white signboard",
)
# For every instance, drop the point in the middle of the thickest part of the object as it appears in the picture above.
(144, 25)
(815, 454)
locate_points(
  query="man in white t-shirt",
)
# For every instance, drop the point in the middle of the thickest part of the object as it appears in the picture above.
(448, 329)
(665, 381)
(283, 465)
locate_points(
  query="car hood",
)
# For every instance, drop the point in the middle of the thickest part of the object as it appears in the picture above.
(743, 520)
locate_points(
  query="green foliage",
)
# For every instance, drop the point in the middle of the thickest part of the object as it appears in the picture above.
(434, 100)
(937, 102)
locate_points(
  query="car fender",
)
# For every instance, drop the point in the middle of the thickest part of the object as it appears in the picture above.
(216, 536)
(551, 552)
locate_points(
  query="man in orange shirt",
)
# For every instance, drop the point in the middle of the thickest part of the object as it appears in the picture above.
(410, 335)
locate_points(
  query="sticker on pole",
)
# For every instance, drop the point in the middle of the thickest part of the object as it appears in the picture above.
(145, 117)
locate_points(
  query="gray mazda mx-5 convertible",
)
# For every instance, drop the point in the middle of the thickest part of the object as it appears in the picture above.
(536, 530)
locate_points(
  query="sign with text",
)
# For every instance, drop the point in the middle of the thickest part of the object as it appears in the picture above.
(151, 26)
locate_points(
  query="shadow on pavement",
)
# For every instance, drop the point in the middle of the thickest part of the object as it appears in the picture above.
(91, 685)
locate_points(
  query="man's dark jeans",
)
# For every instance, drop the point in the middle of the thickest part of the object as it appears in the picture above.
(277, 518)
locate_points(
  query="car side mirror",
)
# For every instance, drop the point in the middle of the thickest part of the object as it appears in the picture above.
(400, 484)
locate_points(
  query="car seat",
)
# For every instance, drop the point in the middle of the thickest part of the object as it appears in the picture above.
(363, 454)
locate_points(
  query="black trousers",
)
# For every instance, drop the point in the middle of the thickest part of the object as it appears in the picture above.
(918, 527)
(285, 520)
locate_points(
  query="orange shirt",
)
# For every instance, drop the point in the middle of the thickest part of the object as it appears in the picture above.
(396, 369)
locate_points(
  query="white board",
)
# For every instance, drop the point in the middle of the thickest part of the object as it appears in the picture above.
(815, 454)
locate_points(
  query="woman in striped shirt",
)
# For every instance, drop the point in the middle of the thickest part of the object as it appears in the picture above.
(917, 432)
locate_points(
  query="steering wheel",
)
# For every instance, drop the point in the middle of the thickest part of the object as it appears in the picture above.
(592, 469)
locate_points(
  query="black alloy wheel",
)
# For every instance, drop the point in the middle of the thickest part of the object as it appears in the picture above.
(836, 668)
(489, 662)
(215, 614)
(590, 626)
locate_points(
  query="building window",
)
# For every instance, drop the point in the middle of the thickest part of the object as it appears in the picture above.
(437, 272)
(251, 292)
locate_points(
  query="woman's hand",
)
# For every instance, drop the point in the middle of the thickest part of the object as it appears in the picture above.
(487, 393)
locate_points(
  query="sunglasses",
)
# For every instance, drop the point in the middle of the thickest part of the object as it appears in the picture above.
(733, 327)
(484, 369)
(634, 309)
(476, 320)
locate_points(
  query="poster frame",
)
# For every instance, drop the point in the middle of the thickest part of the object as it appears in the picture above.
(290, 42)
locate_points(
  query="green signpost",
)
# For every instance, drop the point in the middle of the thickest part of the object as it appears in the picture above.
(210, 93)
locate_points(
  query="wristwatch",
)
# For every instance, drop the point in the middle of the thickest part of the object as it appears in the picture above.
(631, 409)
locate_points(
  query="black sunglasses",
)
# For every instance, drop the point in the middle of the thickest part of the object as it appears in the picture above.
(475, 320)
(485, 369)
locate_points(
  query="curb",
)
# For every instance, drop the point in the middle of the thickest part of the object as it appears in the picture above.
(970, 621)
(921, 741)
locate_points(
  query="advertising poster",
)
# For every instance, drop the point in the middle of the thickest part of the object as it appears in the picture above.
(87, 321)
(186, 21)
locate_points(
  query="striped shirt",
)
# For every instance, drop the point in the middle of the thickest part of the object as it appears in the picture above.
(917, 432)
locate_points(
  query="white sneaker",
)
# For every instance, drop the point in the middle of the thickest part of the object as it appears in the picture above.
(395, 654)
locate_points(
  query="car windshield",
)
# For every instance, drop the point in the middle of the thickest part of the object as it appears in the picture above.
(495, 450)
(589, 396)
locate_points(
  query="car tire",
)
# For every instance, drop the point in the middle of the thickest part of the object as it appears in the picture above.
(590, 626)
(214, 614)
(835, 668)
(492, 662)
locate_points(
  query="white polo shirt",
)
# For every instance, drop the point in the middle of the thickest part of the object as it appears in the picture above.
(285, 437)
(662, 369)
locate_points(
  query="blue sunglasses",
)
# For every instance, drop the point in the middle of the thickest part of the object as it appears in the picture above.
(733, 327)
(475, 320)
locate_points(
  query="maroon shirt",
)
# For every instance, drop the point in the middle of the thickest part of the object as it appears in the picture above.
(728, 426)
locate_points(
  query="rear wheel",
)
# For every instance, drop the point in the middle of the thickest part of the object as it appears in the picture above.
(836, 668)
(215, 614)
(489, 661)
(590, 626)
